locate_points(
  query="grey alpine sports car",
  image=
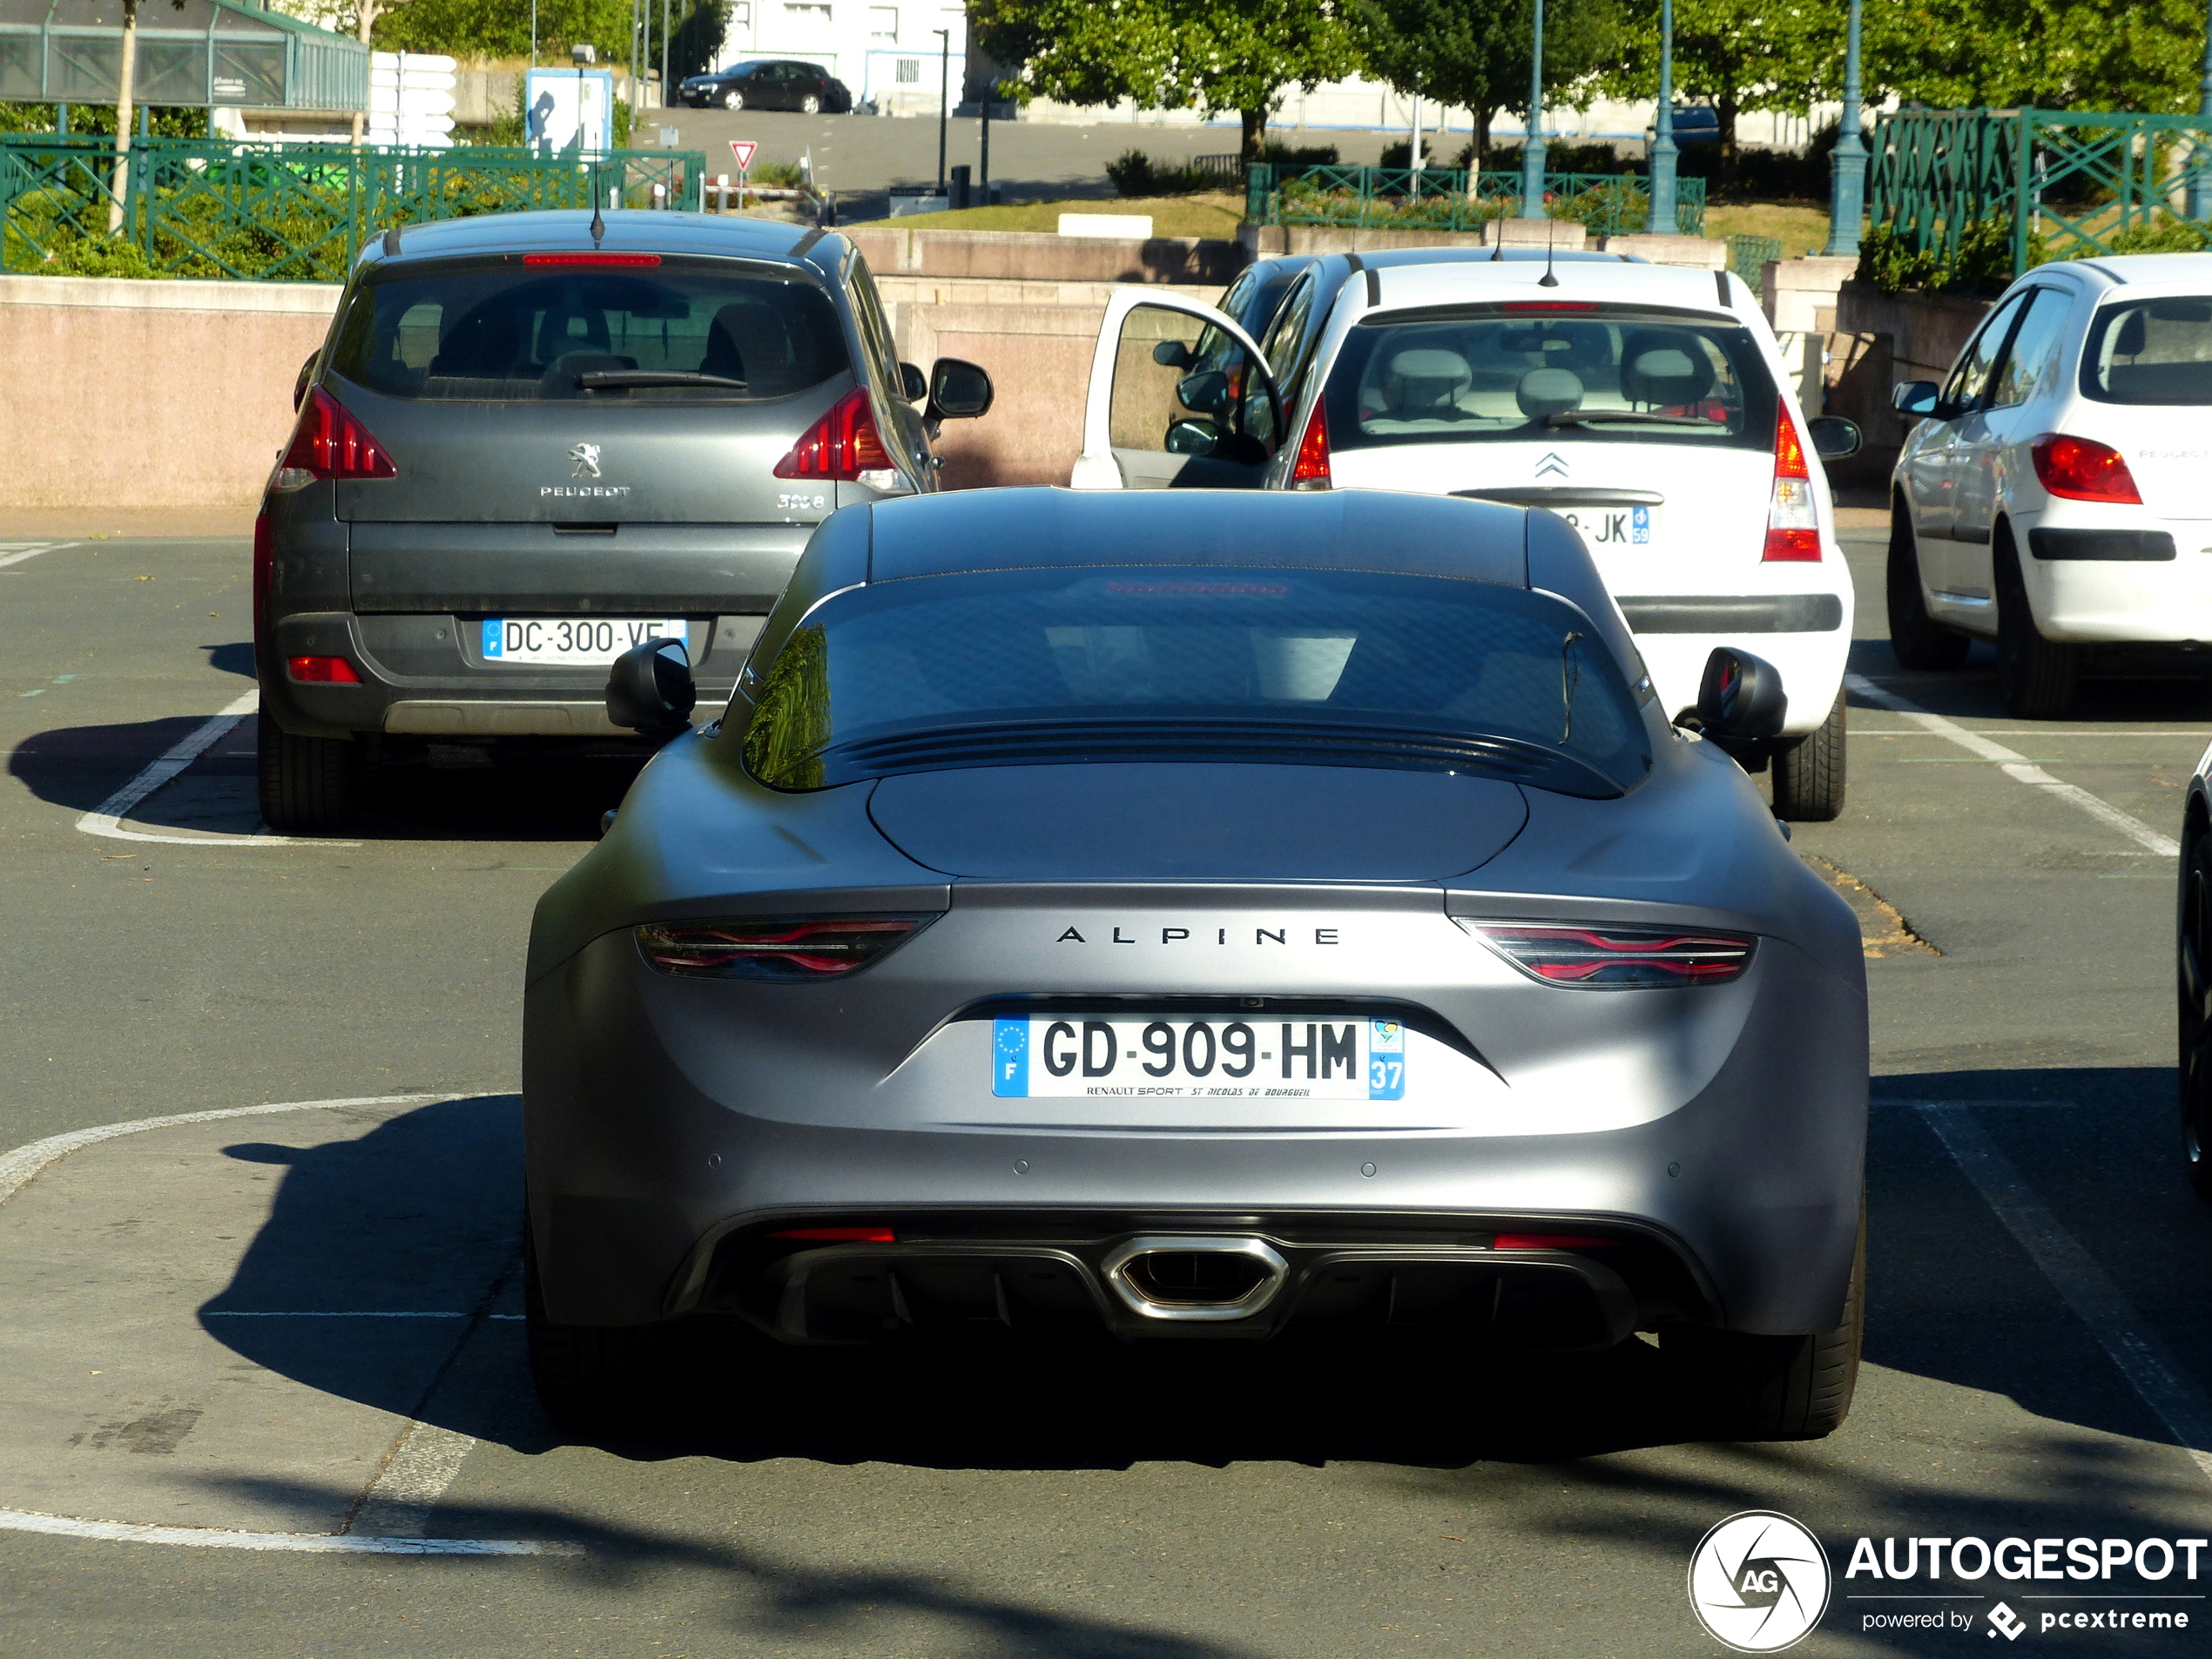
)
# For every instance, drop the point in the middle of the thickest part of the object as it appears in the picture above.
(1197, 915)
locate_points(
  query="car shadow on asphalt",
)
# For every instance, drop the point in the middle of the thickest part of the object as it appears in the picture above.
(554, 798)
(421, 1214)
(2177, 693)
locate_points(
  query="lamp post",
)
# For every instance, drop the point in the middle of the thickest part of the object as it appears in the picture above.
(1532, 154)
(2198, 202)
(1847, 167)
(1660, 221)
(944, 96)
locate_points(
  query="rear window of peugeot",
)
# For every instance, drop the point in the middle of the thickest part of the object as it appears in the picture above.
(1296, 666)
(510, 330)
(1551, 372)
(2150, 351)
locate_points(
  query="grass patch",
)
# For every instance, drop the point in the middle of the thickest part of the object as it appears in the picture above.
(1798, 227)
(1213, 214)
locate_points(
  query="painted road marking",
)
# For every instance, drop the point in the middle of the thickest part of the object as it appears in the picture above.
(16, 552)
(415, 1473)
(2018, 767)
(2084, 1286)
(319, 1543)
(106, 819)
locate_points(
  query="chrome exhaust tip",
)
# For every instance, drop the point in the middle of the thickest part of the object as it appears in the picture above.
(1194, 1276)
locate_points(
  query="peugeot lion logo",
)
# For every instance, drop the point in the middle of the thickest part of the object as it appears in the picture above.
(586, 456)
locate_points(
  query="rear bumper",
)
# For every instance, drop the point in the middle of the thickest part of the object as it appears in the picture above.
(661, 1149)
(421, 675)
(2118, 576)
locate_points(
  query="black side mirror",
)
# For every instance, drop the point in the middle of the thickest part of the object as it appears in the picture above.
(1171, 353)
(1193, 438)
(911, 384)
(1741, 697)
(307, 374)
(1204, 393)
(1833, 437)
(1916, 398)
(958, 391)
(650, 689)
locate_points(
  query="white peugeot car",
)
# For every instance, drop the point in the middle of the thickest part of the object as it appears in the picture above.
(1644, 405)
(2056, 495)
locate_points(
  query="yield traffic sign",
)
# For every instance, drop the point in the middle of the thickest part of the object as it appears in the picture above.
(742, 149)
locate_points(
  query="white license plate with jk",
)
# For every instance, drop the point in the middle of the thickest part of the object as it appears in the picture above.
(1606, 528)
(1036, 1056)
(581, 641)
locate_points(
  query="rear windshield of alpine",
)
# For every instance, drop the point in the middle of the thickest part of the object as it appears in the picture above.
(1295, 666)
(1551, 372)
(2150, 352)
(505, 331)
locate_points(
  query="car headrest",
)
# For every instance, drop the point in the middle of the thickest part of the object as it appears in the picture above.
(1548, 391)
(1429, 376)
(1664, 366)
(2132, 336)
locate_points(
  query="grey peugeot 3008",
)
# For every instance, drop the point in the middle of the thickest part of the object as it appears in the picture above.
(531, 440)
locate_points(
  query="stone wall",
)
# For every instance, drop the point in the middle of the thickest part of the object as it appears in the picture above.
(149, 394)
(1880, 340)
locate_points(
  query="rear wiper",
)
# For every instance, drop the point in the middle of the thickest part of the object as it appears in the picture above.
(1624, 417)
(598, 379)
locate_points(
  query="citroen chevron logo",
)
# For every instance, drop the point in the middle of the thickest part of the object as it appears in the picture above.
(1552, 466)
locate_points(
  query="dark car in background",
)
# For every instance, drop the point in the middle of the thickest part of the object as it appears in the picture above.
(532, 440)
(768, 83)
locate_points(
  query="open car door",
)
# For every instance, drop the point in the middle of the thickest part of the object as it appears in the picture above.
(1180, 398)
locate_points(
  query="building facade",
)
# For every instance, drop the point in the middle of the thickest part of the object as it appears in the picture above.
(891, 56)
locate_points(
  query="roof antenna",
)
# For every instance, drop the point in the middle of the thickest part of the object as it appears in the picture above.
(1548, 280)
(598, 222)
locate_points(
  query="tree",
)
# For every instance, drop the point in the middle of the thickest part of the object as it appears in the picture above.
(2050, 54)
(1476, 58)
(1739, 56)
(1241, 55)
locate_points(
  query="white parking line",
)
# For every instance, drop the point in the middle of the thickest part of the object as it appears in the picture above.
(2017, 766)
(2085, 1287)
(19, 552)
(318, 1543)
(106, 818)
(415, 1473)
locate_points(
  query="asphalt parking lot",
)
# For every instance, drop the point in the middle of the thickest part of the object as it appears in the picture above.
(260, 1379)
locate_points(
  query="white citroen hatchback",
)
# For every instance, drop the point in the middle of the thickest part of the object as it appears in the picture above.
(1643, 404)
(2056, 495)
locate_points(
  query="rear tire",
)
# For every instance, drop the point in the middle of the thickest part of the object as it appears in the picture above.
(2035, 677)
(1745, 1387)
(593, 1378)
(810, 104)
(309, 786)
(1809, 779)
(1918, 640)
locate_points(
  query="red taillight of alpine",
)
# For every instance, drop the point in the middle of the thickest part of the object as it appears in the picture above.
(839, 1235)
(1310, 469)
(330, 442)
(2083, 469)
(840, 446)
(1597, 958)
(1549, 1241)
(1792, 524)
(774, 947)
(321, 671)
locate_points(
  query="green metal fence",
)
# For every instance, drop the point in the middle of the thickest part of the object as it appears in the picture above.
(197, 207)
(1749, 256)
(1609, 204)
(2060, 183)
